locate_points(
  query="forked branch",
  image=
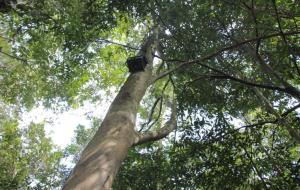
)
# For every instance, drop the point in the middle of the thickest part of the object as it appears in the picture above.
(215, 53)
(159, 133)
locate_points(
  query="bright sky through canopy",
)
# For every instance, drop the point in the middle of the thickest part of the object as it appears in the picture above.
(60, 126)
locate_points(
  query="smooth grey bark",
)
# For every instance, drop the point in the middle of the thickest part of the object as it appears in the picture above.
(103, 156)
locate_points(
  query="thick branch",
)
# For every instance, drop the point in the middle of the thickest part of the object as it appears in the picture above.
(241, 81)
(266, 67)
(209, 56)
(159, 133)
(290, 110)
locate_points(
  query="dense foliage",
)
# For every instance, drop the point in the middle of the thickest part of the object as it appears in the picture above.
(214, 155)
(29, 159)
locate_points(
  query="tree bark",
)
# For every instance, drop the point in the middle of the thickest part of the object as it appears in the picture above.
(103, 156)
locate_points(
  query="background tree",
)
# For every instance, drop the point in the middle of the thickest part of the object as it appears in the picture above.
(29, 159)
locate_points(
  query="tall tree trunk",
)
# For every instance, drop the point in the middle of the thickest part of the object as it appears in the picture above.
(103, 156)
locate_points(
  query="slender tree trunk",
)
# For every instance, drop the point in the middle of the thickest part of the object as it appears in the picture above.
(103, 156)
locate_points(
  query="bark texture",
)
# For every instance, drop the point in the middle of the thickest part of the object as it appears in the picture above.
(103, 156)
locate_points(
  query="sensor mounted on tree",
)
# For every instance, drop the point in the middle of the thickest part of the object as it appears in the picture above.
(137, 63)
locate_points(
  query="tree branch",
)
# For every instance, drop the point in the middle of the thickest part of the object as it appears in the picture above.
(159, 114)
(240, 81)
(12, 56)
(117, 43)
(211, 55)
(283, 36)
(262, 123)
(8, 39)
(283, 115)
(159, 99)
(290, 110)
(277, 120)
(260, 60)
(159, 133)
(151, 113)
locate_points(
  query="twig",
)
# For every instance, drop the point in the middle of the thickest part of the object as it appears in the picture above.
(159, 133)
(262, 123)
(284, 38)
(159, 114)
(160, 108)
(151, 113)
(117, 43)
(12, 56)
(8, 39)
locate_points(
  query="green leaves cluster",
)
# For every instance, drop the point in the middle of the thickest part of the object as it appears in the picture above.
(59, 44)
(29, 159)
(212, 154)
